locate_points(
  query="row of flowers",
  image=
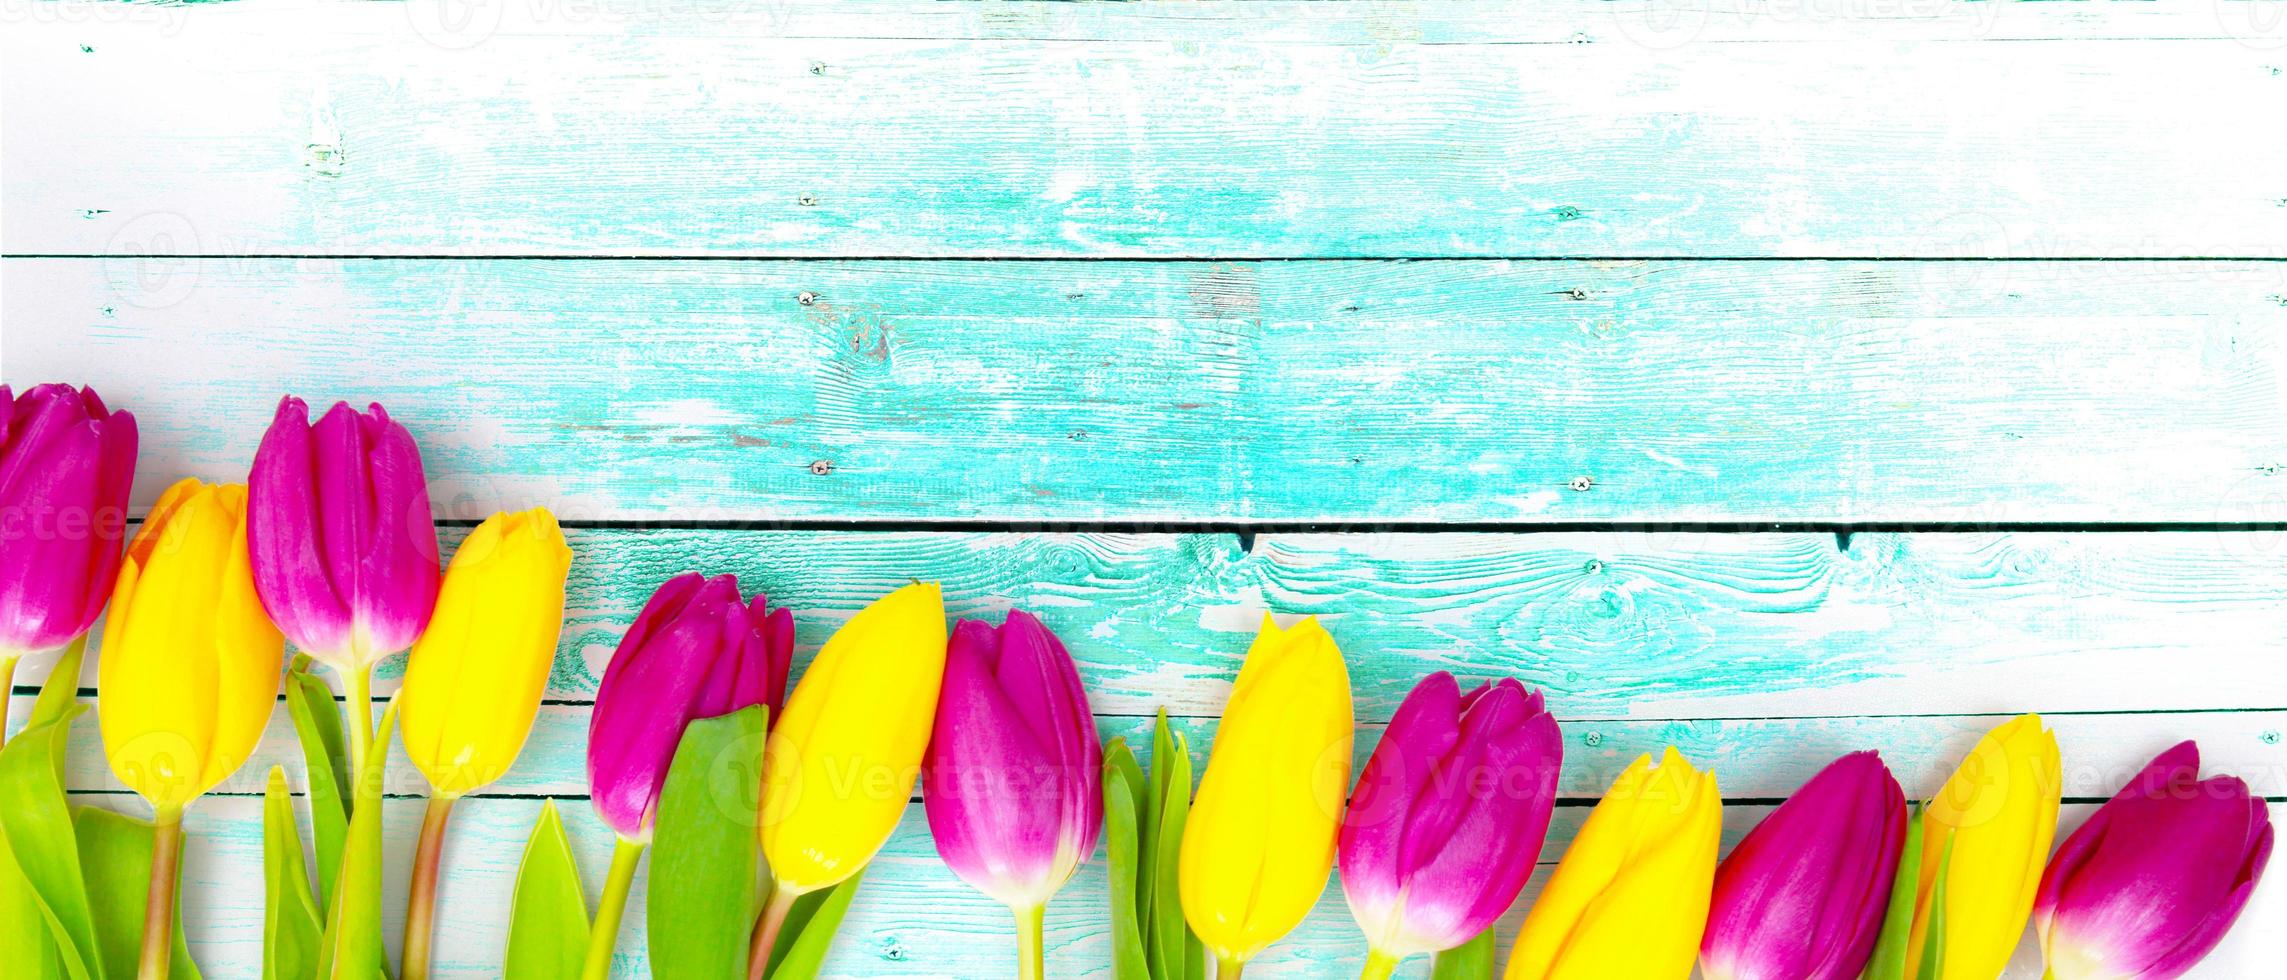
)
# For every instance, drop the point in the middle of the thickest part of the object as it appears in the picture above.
(760, 808)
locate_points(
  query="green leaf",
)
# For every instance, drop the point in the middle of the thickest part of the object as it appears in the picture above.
(1889, 960)
(60, 691)
(704, 851)
(291, 924)
(325, 758)
(353, 949)
(1123, 788)
(1472, 960)
(37, 822)
(1934, 943)
(1175, 952)
(25, 943)
(809, 931)
(548, 918)
(115, 850)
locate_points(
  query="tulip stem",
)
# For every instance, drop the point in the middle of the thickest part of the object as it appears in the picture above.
(766, 931)
(1228, 967)
(421, 895)
(1379, 966)
(159, 903)
(1030, 951)
(625, 854)
(359, 683)
(7, 690)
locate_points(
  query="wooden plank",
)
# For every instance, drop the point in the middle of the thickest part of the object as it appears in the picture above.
(1613, 625)
(1760, 758)
(912, 917)
(265, 127)
(1517, 393)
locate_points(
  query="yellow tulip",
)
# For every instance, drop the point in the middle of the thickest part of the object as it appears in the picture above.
(1259, 844)
(2000, 811)
(188, 673)
(190, 663)
(841, 761)
(1630, 899)
(473, 682)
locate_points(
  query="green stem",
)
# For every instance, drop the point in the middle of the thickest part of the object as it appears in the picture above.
(766, 931)
(360, 710)
(1031, 952)
(421, 895)
(624, 856)
(159, 903)
(7, 689)
(1379, 965)
(1228, 967)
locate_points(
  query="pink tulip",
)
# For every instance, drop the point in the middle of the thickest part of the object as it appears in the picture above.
(338, 528)
(2150, 884)
(65, 465)
(1013, 780)
(695, 651)
(1449, 816)
(1802, 896)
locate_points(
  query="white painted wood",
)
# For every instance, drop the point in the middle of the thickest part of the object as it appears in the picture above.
(389, 129)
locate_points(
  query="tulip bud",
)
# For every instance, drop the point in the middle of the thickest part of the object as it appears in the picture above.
(474, 680)
(1990, 829)
(345, 552)
(190, 665)
(695, 651)
(1630, 897)
(1014, 775)
(1802, 896)
(1448, 820)
(65, 466)
(1260, 840)
(842, 760)
(2150, 884)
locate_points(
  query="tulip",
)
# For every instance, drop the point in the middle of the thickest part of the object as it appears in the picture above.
(345, 553)
(188, 675)
(841, 763)
(1448, 819)
(1260, 841)
(2150, 884)
(1013, 779)
(65, 465)
(1802, 896)
(1989, 830)
(473, 683)
(1630, 897)
(695, 651)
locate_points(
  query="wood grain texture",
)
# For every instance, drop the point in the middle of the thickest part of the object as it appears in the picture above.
(1613, 625)
(912, 917)
(1518, 393)
(296, 128)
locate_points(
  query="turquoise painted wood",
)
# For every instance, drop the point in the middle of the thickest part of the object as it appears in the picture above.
(1358, 392)
(1614, 625)
(1381, 129)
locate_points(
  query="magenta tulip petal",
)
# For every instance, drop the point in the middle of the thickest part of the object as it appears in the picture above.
(1012, 783)
(340, 533)
(2150, 884)
(1449, 816)
(694, 651)
(66, 462)
(1802, 896)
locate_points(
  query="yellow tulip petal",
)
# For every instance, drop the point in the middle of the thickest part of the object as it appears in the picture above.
(842, 760)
